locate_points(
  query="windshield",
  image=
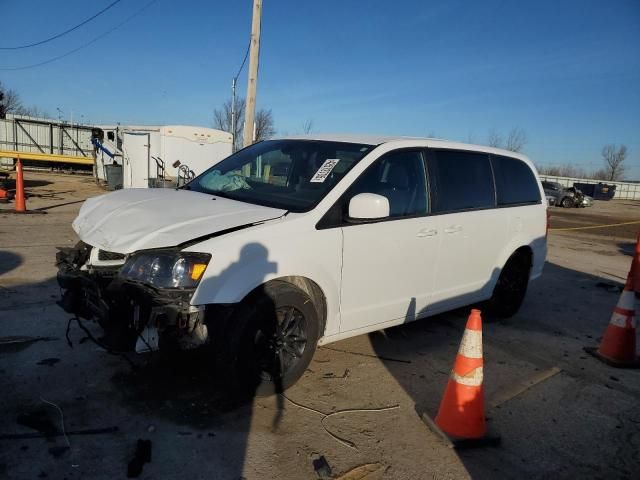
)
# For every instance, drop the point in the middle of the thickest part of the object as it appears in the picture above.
(289, 174)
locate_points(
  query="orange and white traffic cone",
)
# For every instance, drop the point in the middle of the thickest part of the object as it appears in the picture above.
(461, 413)
(20, 203)
(618, 345)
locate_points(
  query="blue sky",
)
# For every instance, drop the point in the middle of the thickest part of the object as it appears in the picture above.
(567, 72)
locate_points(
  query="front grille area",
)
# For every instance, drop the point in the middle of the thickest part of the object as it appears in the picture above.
(103, 255)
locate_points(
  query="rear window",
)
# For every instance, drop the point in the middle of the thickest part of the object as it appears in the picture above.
(460, 181)
(515, 182)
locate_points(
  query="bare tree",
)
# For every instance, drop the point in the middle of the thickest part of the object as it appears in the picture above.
(471, 137)
(307, 127)
(222, 121)
(516, 140)
(495, 139)
(10, 102)
(614, 161)
(264, 124)
(34, 111)
(265, 127)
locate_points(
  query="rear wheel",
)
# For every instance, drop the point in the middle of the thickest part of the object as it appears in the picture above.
(511, 288)
(270, 341)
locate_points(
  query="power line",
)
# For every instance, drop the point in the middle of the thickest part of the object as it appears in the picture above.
(243, 61)
(63, 33)
(102, 35)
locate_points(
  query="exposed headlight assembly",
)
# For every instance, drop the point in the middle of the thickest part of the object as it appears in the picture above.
(166, 269)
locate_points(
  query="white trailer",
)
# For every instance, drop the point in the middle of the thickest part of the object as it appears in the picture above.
(153, 155)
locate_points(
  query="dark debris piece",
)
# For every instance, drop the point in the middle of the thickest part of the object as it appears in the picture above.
(321, 466)
(40, 421)
(142, 456)
(50, 362)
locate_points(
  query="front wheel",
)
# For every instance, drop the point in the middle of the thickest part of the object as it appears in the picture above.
(270, 340)
(567, 202)
(511, 288)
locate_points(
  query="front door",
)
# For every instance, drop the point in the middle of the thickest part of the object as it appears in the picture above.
(388, 265)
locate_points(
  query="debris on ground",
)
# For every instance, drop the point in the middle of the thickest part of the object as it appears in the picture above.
(40, 421)
(367, 471)
(321, 466)
(332, 375)
(50, 362)
(142, 456)
(609, 287)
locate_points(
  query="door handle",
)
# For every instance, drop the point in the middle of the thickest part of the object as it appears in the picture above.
(425, 232)
(453, 229)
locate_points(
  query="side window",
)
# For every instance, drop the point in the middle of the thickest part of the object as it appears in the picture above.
(515, 182)
(400, 176)
(460, 181)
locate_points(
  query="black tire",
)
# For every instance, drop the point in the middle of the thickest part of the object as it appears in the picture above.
(509, 292)
(567, 202)
(269, 342)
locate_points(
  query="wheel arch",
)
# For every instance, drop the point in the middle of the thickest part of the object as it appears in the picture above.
(525, 250)
(308, 286)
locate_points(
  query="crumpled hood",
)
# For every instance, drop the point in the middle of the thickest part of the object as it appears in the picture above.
(134, 219)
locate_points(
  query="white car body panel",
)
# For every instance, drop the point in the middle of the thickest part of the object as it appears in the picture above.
(377, 286)
(244, 260)
(452, 268)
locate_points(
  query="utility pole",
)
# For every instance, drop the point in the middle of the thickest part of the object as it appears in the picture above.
(252, 83)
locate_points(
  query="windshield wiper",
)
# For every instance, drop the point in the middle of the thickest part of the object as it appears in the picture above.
(222, 195)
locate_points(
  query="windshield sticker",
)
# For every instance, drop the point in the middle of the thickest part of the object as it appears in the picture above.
(324, 171)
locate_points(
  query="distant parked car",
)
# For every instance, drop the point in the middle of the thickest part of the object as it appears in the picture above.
(564, 197)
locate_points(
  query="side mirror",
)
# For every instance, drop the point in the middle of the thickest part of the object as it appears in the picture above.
(368, 206)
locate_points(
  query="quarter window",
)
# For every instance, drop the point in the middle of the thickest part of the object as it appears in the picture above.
(460, 181)
(515, 182)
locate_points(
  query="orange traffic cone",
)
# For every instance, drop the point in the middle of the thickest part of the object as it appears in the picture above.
(635, 268)
(21, 205)
(618, 345)
(461, 412)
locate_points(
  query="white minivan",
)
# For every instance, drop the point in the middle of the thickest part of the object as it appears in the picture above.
(298, 242)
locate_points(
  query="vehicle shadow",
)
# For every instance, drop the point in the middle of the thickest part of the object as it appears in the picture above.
(532, 341)
(9, 261)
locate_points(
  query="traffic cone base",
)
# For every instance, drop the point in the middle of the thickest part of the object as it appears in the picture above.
(593, 351)
(489, 439)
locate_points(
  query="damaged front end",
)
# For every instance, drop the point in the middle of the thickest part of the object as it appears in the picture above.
(141, 300)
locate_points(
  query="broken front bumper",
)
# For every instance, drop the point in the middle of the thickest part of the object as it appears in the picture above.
(133, 315)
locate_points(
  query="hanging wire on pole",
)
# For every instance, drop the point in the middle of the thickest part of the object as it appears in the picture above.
(85, 45)
(46, 40)
(246, 55)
